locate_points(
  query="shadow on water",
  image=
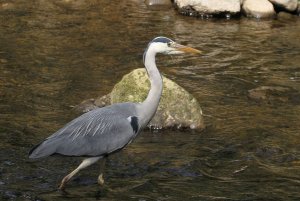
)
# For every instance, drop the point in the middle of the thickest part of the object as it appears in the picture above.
(54, 54)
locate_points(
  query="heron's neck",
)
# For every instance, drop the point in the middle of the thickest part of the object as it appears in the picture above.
(149, 106)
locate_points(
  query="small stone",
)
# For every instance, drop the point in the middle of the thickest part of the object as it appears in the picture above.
(11, 195)
(102, 101)
(7, 6)
(73, 4)
(85, 106)
(3, 61)
(9, 163)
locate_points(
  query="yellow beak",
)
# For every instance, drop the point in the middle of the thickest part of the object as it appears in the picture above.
(187, 49)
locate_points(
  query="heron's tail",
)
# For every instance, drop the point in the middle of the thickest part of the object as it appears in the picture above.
(44, 149)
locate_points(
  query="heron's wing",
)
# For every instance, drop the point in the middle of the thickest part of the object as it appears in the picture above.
(98, 132)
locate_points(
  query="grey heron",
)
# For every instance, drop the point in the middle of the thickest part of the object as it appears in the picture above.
(103, 131)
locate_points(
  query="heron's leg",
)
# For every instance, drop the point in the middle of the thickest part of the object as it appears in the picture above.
(102, 165)
(85, 163)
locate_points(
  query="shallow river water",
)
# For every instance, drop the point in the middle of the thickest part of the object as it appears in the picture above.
(54, 54)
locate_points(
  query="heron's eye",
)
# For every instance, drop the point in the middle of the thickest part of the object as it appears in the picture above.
(169, 44)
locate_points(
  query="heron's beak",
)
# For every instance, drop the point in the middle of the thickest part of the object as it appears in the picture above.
(186, 49)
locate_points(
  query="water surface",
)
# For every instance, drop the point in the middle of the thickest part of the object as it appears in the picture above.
(54, 54)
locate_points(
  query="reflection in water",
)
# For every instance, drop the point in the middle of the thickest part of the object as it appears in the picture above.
(54, 54)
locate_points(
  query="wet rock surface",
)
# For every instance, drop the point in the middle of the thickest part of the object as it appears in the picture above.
(208, 8)
(288, 5)
(258, 8)
(232, 8)
(177, 107)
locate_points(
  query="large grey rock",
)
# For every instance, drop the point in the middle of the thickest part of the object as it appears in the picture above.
(177, 107)
(258, 8)
(289, 5)
(208, 7)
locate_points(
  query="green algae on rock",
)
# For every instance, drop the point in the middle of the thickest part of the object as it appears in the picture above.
(177, 107)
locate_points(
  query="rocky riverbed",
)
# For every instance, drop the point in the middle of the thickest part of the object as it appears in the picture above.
(232, 8)
(54, 54)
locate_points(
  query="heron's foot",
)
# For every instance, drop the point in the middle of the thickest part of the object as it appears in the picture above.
(63, 191)
(101, 180)
(62, 186)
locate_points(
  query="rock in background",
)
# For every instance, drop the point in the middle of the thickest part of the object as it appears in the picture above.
(288, 5)
(229, 8)
(274, 95)
(208, 8)
(177, 108)
(258, 8)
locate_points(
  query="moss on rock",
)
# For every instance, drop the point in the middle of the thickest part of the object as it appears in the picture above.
(177, 107)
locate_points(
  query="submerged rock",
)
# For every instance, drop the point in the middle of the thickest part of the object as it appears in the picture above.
(7, 6)
(177, 108)
(258, 8)
(268, 152)
(85, 106)
(158, 2)
(288, 5)
(285, 16)
(74, 4)
(208, 8)
(274, 94)
(90, 104)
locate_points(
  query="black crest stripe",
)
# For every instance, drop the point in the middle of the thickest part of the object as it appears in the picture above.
(162, 40)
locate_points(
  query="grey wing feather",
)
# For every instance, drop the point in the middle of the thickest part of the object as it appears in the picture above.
(98, 132)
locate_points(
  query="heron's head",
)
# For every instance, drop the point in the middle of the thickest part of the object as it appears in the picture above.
(167, 46)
